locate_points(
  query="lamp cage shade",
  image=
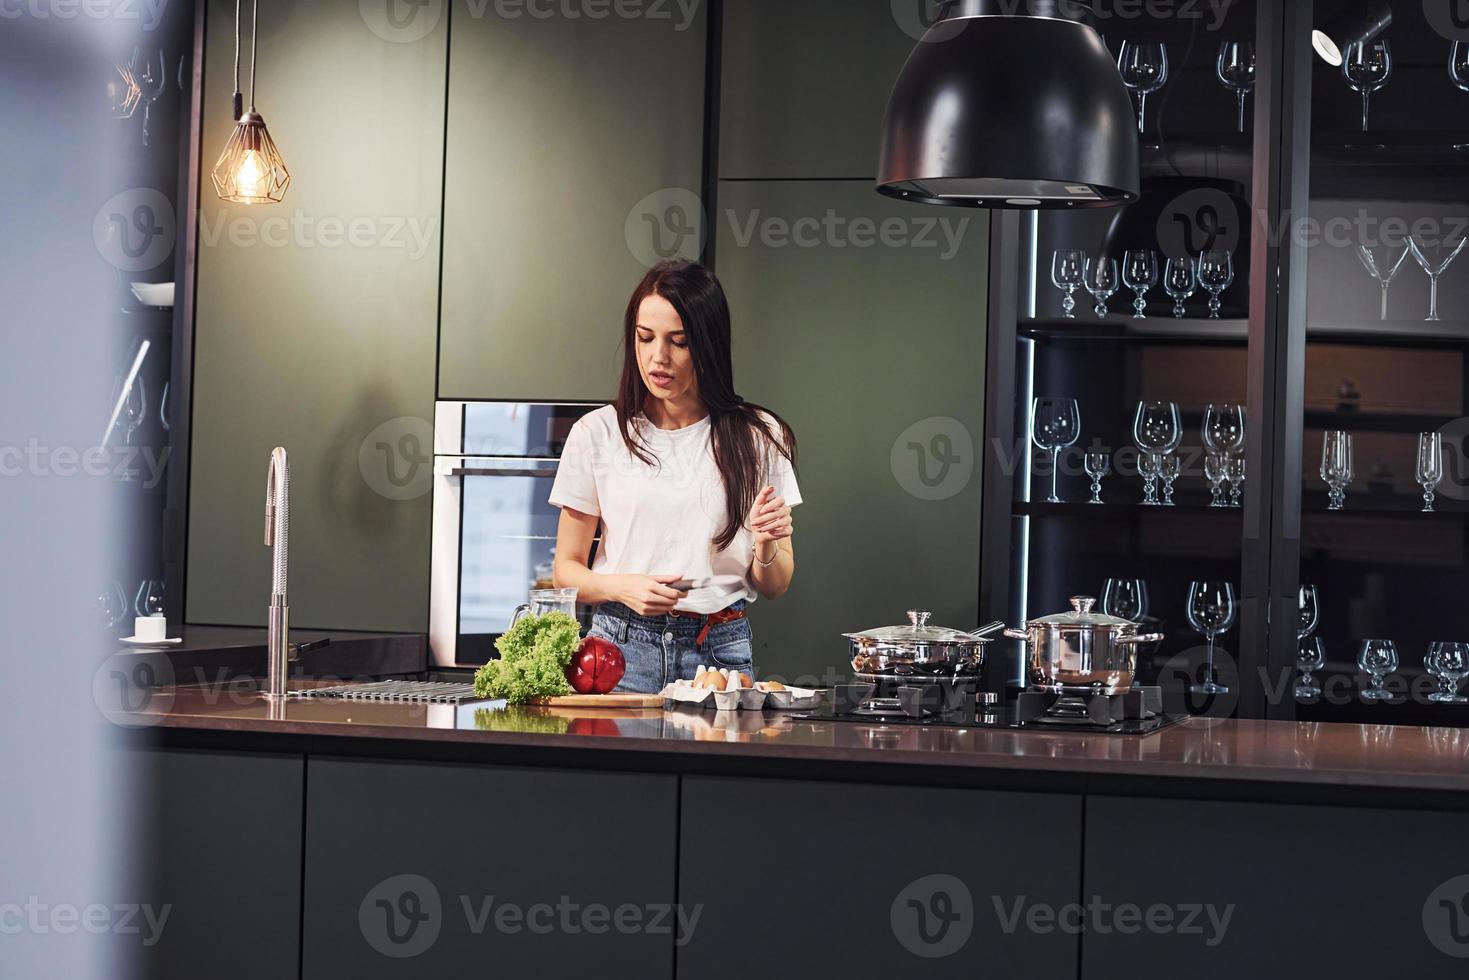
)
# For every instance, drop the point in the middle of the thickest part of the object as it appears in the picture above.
(250, 169)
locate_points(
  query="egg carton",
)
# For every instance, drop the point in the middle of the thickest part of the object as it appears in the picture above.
(736, 698)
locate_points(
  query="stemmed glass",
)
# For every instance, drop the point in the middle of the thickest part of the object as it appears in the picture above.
(1310, 656)
(163, 409)
(1125, 598)
(1068, 268)
(152, 81)
(1234, 472)
(1144, 69)
(1369, 261)
(1367, 68)
(149, 600)
(1459, 72)
(1224, 428)
(1449, 662)
(1169, 466)
(1098, 465)
(1309, 604)
(1216, 274)
(1434, 272)
(1211, 611)
(1156, 430)
(111, 605)
(1055, 424)
(1429, 468)
(1378, 658)
(1336, 466)
(1215, 470)
(1236, 69)
(130, 401)
(1148, 467)
(1101, 282)
(1140, 273)
(1180, 281)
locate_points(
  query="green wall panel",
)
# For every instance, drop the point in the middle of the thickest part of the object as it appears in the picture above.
(562, 134)
(805, 84)
(316, 322)
(868, 339)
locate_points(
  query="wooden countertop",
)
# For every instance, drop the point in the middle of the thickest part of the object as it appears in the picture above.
(1366, 760)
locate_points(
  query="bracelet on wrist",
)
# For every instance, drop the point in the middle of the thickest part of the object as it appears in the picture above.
(773, 558)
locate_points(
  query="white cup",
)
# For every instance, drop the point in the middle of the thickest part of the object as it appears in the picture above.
(150, 629)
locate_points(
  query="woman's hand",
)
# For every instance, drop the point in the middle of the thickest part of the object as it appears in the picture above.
(647, 595)
(770, 519)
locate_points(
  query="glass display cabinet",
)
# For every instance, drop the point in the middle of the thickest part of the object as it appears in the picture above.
(1162, 377)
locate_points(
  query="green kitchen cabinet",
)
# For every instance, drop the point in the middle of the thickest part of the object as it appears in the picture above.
(574, 159)
(804, 85)
(860, 321)
(315, 325)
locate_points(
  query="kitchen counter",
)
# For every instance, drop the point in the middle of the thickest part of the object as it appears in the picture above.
(1209, 757)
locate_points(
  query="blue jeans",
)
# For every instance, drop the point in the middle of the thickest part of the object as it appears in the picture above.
(662, 649)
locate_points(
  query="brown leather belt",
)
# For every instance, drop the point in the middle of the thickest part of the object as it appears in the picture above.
(710, 619)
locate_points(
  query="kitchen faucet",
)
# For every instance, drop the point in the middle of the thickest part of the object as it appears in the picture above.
(277, 538)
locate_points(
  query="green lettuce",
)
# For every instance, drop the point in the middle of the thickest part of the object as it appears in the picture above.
(533, 658)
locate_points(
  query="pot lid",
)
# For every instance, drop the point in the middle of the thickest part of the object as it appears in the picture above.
(917, 630)
(1081, 615)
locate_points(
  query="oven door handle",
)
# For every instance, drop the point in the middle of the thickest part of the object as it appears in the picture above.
(497, 471)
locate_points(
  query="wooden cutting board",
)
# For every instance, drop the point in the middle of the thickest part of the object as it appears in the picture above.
(604, 701)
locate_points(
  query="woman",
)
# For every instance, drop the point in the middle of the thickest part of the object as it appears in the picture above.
(693, 487)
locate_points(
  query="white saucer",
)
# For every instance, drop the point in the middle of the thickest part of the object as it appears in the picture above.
(134, 641)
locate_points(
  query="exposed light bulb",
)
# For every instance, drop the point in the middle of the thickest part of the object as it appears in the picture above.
(253, 176)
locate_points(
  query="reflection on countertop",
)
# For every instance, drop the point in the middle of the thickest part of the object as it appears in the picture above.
(1304, 753)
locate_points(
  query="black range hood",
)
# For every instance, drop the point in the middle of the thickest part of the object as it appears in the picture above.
(1011, 104)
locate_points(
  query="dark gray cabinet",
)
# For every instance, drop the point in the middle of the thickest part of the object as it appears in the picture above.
(217, 852)
(861, 321)
(836, 880)
(315, 324)
(429, 869)
(1301, 891)
(570, 139)
(804, 85)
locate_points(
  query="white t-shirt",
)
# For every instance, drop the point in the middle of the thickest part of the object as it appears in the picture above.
(662, 519)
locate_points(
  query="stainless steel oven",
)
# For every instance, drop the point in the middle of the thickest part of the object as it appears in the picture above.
(494, 532)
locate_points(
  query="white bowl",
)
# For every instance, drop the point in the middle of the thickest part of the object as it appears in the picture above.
(154, 293)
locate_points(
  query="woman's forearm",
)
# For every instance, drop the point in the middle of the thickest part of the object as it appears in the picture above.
(772, 581)
(592, 588)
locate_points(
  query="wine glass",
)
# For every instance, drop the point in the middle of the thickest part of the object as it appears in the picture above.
(1236, 70)
(1367, 68)
(1216, 274)
(1434, 272)
(1097, 465)
(130, 402)
(1055, 424)
(1234, 472)
(1180, 281)
(1101, 282)
(1068, 267)
(1429, 469)
(1336, 466)
(1224, 428)
(152, 81)
(1459, 72)
(149, 599)
(1211, 611)
(1310, 657)
(1449, 662)
(1378, 658)
(1125, 598)
(1384, 279)
(1309, 604)
(1144, 69)
(1169, 466)
(111, 606)
(1140, 273)
(1148, 466)
(1215, 471)
(1156, 429)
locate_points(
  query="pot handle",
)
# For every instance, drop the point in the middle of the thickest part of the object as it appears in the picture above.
(985, 630)
(1017, 634)
(1140, 638)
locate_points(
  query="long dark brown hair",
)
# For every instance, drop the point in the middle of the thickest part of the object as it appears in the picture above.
(740, 436)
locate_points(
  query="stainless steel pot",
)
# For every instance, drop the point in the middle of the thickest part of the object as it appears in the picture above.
(918, 649)
(1082, 652)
